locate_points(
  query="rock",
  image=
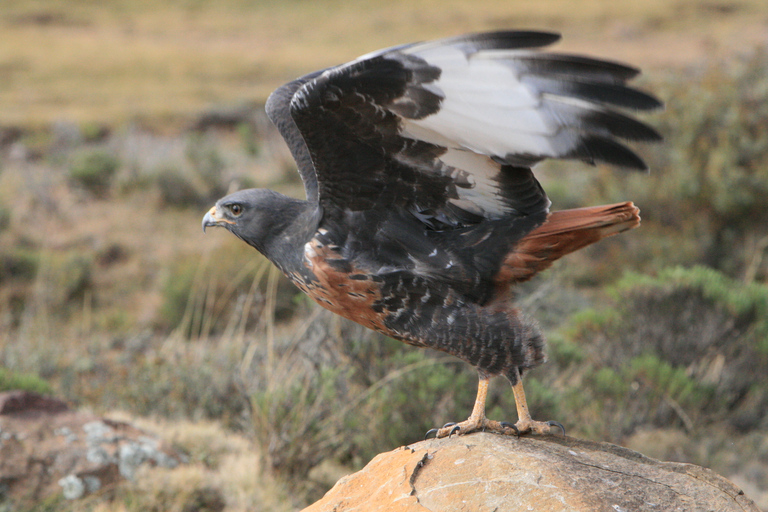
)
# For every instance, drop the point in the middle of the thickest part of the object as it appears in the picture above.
(488, 472)
(46, 448)
(25, 402)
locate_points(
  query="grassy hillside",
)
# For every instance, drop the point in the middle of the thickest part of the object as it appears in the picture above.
(123, 59)
(121, 122)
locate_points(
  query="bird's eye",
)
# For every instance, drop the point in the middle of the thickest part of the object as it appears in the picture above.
(236, 209)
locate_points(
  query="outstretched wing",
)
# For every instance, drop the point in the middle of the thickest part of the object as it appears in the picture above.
(448, 130)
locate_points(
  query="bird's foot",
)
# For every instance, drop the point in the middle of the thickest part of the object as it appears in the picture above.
(529, 426)
(498, 427)
(473, 424)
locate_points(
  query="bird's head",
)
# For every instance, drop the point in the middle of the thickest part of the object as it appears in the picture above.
(234, 211)
(259, 217)
(246, 214)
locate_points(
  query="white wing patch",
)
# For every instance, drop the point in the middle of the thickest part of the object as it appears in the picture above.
(486, 111)
(487, 107)
(481, 194)
(491, 111)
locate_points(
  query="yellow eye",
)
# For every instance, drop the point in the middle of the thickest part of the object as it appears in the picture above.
(236, 209)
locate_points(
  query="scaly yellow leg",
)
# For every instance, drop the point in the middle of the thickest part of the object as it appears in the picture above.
(525, 423)
(478, 421)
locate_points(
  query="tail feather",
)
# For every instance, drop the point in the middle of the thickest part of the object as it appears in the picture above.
(564, 231)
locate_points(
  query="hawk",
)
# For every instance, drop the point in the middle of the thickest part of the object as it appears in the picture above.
(422, 208)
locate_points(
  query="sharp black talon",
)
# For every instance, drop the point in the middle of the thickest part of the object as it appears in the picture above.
(450, 424)
(431, 431)
(512, 426)
(558, 425)
(454, 430)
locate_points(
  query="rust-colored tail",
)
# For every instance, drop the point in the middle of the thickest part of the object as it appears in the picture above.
(564, 231)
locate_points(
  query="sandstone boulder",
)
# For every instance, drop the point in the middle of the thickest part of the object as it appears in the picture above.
(46, 448)
(487, 472)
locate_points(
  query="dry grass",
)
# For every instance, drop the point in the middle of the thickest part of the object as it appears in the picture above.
(119, 60)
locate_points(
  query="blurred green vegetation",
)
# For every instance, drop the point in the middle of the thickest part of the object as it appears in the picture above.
(10, 380)
(93, 170)
(682, 348)
(19, 263)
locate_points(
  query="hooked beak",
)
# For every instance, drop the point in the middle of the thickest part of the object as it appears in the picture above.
(212, 218)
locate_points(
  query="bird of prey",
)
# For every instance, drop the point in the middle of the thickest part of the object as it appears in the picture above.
(422, 208)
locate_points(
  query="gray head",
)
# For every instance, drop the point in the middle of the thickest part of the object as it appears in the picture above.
(262, 218)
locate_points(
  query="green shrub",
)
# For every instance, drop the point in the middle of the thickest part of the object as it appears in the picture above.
(93, 170)
(608, 383)
(76, 276)
(684, 346)
(562, 351)
(591, 319)
(668, 382)
(19, 263)
(94, 132)
(68, 278)
(10, 381)
(297, 422)
(748, 303)
(5, 217)
(196, 181)
(248, 138)
(205, 159)
(183, 382)
(177, 188)
(176, 291)
(418, 392)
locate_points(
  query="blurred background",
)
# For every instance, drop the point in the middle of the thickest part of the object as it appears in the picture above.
(121, 123)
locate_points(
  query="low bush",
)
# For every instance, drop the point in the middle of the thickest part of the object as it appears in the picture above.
(10, 381)
(93, 170)
(18, 263)
(64, 281)
(5, 217)
(685, 348)
(178, 189)
(208, 164)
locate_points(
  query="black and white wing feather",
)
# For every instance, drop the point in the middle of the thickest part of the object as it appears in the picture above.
(448, 130)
